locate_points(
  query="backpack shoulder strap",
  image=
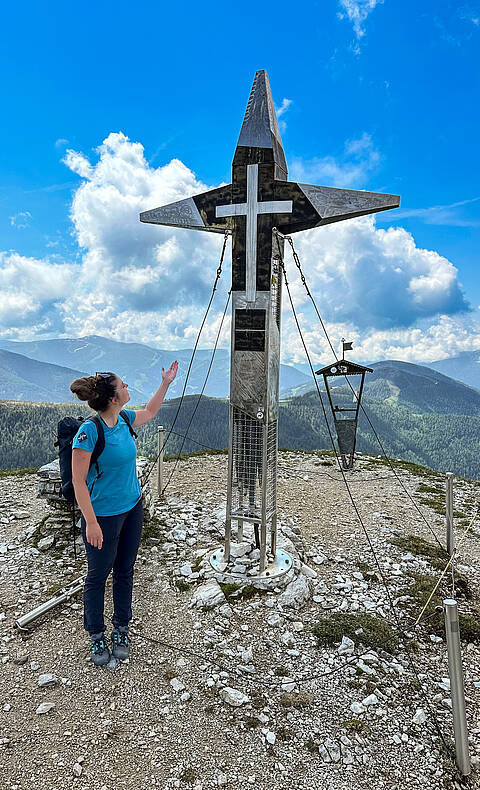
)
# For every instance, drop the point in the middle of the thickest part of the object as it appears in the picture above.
(99, 444)
(123, 414)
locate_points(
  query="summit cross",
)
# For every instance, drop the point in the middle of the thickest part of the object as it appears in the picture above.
(258, 201)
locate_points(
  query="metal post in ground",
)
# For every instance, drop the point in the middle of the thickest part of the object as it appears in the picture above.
(449, 514)
(160, 460)
(457, 691)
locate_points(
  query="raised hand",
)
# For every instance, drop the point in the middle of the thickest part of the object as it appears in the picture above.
(169, 375)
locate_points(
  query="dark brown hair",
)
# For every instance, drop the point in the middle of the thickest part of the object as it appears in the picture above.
(97, 390)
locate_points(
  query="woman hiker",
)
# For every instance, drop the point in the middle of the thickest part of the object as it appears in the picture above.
(111, 503)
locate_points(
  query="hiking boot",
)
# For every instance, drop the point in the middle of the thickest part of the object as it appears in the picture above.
(99, 652)
(120, 645)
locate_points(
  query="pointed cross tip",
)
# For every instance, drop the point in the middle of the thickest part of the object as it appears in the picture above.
(260, 125)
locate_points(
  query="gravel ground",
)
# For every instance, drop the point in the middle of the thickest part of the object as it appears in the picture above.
(165, 718)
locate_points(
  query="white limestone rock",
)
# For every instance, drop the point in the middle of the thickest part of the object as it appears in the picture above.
(298, 626)
(347, 758)
(47, 680)
(209, 594)
(319, 559)
(324, 754)
(357, 708)
(295, 594)
(46, 543)
(247, 655)
(420, 717)
(274, 620)
(226, 610)
(239, 549)
(347, 646)
(233, 697)
(365, 668)
(45, 707)
(308, 572)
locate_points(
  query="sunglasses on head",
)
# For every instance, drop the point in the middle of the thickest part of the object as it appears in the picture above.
(103, 375)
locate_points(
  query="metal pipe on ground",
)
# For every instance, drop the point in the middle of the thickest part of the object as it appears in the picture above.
(28, 618)
(457, 691)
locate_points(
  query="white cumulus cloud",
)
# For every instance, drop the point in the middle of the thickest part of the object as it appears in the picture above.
(133, 280)
(424, 342)
(374, 277)
(134, 268)
(33, 294)
(151, 284)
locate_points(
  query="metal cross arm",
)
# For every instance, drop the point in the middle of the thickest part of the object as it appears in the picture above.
(254, 204)
(310, 206)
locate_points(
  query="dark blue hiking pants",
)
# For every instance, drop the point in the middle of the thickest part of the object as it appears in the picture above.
(121, 539)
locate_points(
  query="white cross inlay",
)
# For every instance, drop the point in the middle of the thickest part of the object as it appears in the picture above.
(251, 209)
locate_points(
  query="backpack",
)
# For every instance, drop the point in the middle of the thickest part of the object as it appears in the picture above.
(67, 428)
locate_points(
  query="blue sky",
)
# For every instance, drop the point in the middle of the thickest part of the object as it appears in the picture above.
(372, 95)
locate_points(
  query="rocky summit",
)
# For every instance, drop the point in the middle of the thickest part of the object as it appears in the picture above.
(326, 682)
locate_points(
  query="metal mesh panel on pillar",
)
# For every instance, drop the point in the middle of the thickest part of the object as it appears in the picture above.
(271, 492)
(247, 448)
(248, 463)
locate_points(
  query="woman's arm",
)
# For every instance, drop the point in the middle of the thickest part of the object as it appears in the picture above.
(151, 409)
(80, 467)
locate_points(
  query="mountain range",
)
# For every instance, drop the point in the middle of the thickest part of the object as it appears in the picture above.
(59, 361)
(464, 367)
(421, 414)
(419, 431)
(416, 387)
(138, 364)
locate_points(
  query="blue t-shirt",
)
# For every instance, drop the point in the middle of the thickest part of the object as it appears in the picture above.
(118, 488)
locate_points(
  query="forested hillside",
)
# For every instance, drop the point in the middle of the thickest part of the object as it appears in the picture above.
(446, 442)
